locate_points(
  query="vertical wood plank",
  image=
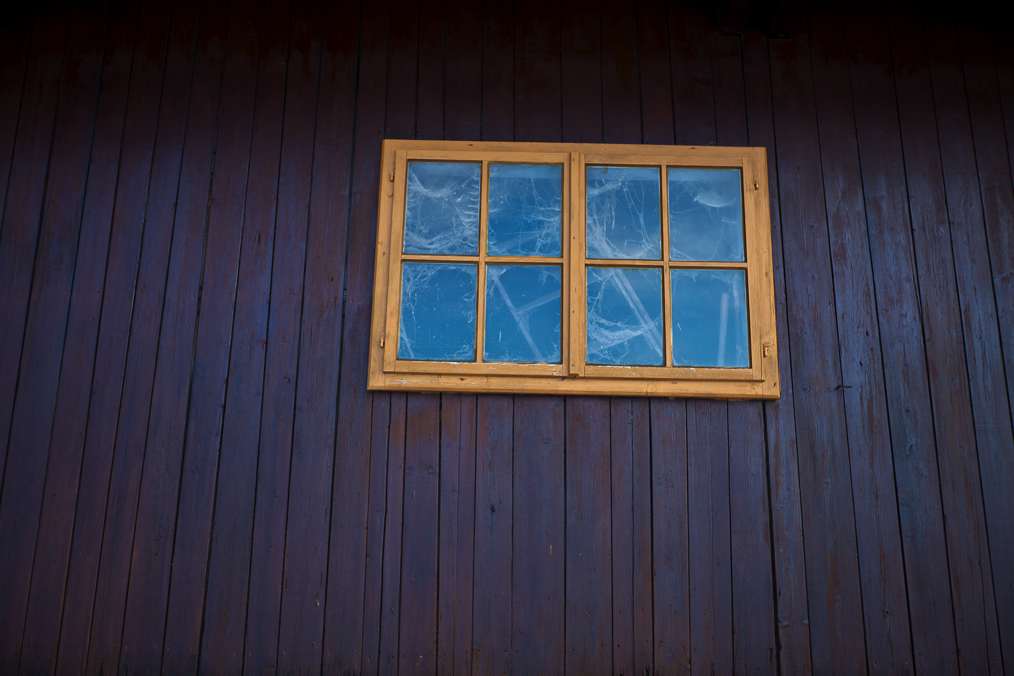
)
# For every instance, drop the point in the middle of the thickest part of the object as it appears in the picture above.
(670, 536)
(202, 444)
(25, 190)
(32, 419)
(538, 594)
(151, 558)
(835, 610)
(991, 137)
(933, 618)
(358, 488)
(119, 277)
(589, 598)
(961, 488)
(379, 445)
(317, 387)
(228, 601)
(17, 44)
(49, 577)
(145, 313)
(876, 302)
(491, 611)
(457, 533)
(389, 604)
(298, 611)
(418, 610)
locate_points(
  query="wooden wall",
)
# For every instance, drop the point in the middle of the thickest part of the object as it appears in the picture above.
(195, 477)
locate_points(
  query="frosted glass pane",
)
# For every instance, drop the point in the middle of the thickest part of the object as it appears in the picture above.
(523, 313)
(625, 316)
(437, 312)
(525, 209)
(705, 214)
(623, 213)
(709, 318)
(442, 208)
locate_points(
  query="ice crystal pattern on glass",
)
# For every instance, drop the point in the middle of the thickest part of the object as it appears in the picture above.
(709, 318)
(442, 208)
(625, 316)
(623, 213)
(522, 314)
(705, 214)
(437, 312)
(525, 209)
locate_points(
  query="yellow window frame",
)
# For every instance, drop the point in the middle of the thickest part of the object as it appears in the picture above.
(573, 375)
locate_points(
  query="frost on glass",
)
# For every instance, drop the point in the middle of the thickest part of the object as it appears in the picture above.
(525, 209)
(709, 318)
(623, 213)
(442, 208)
(625, 316)
(522, 314)
(705, 214)
(437, 312)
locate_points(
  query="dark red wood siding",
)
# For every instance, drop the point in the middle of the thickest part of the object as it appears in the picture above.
(194, 477)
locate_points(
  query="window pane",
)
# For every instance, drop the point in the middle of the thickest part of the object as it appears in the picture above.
(442, 208)
(705, 214)
(525, 209)
(523, 313)
(624, 213)
(709, 318)
(437, 312)
(625, 316)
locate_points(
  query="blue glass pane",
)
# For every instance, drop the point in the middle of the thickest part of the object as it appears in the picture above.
(625, 316)
(442, 208)
(709, 318)
(525, 209)
(623, 214)
(523, 313)
(437, 312)
(705, 214)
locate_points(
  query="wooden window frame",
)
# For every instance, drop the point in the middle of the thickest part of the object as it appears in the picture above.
(573, 375)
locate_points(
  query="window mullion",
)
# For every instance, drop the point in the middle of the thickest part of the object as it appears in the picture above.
(667, 332)
(480, 319)
(577, 301)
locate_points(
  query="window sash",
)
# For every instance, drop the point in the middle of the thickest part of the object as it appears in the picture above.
(574, 374)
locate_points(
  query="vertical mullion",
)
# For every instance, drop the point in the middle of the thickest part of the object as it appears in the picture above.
(578, 302)
(480, 320)
(666, 276)
(566, 204)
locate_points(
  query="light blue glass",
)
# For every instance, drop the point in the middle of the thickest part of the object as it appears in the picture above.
(705, 214)
(525, 211)
(625, 316)
(623, 213)
(522, 314)
(442, 208)
(709, 318)
(437, 312)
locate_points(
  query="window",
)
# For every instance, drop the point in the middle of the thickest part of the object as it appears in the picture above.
(574, 269)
